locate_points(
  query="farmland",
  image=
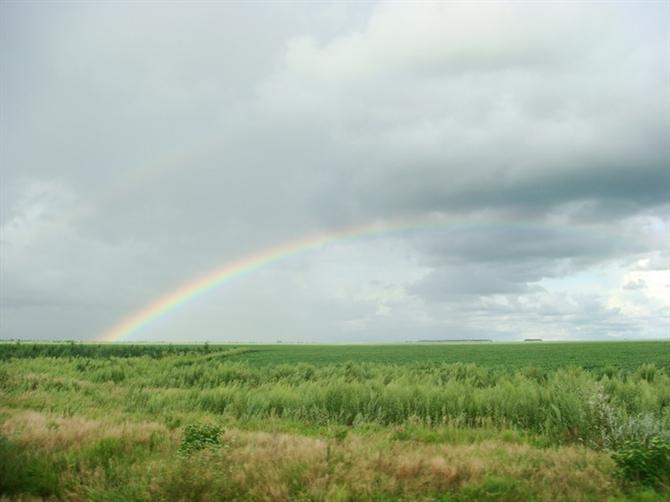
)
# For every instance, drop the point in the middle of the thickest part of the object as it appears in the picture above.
(535, 421)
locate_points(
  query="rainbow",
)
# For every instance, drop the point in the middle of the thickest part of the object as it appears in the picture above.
(191, 290)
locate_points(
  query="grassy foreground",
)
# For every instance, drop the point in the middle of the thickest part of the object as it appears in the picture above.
(282, 422)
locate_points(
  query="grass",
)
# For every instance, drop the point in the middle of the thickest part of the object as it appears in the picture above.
(425, 422)
(279, 466)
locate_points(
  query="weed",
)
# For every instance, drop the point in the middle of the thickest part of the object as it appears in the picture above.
(199, 436)
(647, 463)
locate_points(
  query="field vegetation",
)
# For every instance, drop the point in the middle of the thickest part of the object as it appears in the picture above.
(588, 421)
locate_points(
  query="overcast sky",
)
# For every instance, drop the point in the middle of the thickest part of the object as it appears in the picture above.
(145, 144)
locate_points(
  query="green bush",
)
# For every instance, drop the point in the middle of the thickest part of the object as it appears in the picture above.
(647, 463)
(200, 436)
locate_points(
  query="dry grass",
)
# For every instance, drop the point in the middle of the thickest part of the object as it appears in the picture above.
(32, 429)
(365, 465)
(273, 466)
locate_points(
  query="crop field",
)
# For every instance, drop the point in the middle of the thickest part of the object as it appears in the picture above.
(486, 421)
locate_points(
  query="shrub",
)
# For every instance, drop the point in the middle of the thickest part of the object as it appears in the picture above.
(200, 436)
(647, 463)
(640, 428)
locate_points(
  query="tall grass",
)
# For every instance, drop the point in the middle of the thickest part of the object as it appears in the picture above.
(570, 405)
(111, 422)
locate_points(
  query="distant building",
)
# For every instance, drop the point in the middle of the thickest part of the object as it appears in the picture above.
(532, 339)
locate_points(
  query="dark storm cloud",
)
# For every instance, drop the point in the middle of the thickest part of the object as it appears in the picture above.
(615, 190)
(508, 257)
(509, 242)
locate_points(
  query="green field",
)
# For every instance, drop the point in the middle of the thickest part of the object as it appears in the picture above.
(489, 421)
(545, 355)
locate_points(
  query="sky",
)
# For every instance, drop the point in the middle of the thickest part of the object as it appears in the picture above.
(145, 145)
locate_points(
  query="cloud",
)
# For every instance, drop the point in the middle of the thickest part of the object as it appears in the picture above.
(148, 144)
(639, 284)
(531, 113)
